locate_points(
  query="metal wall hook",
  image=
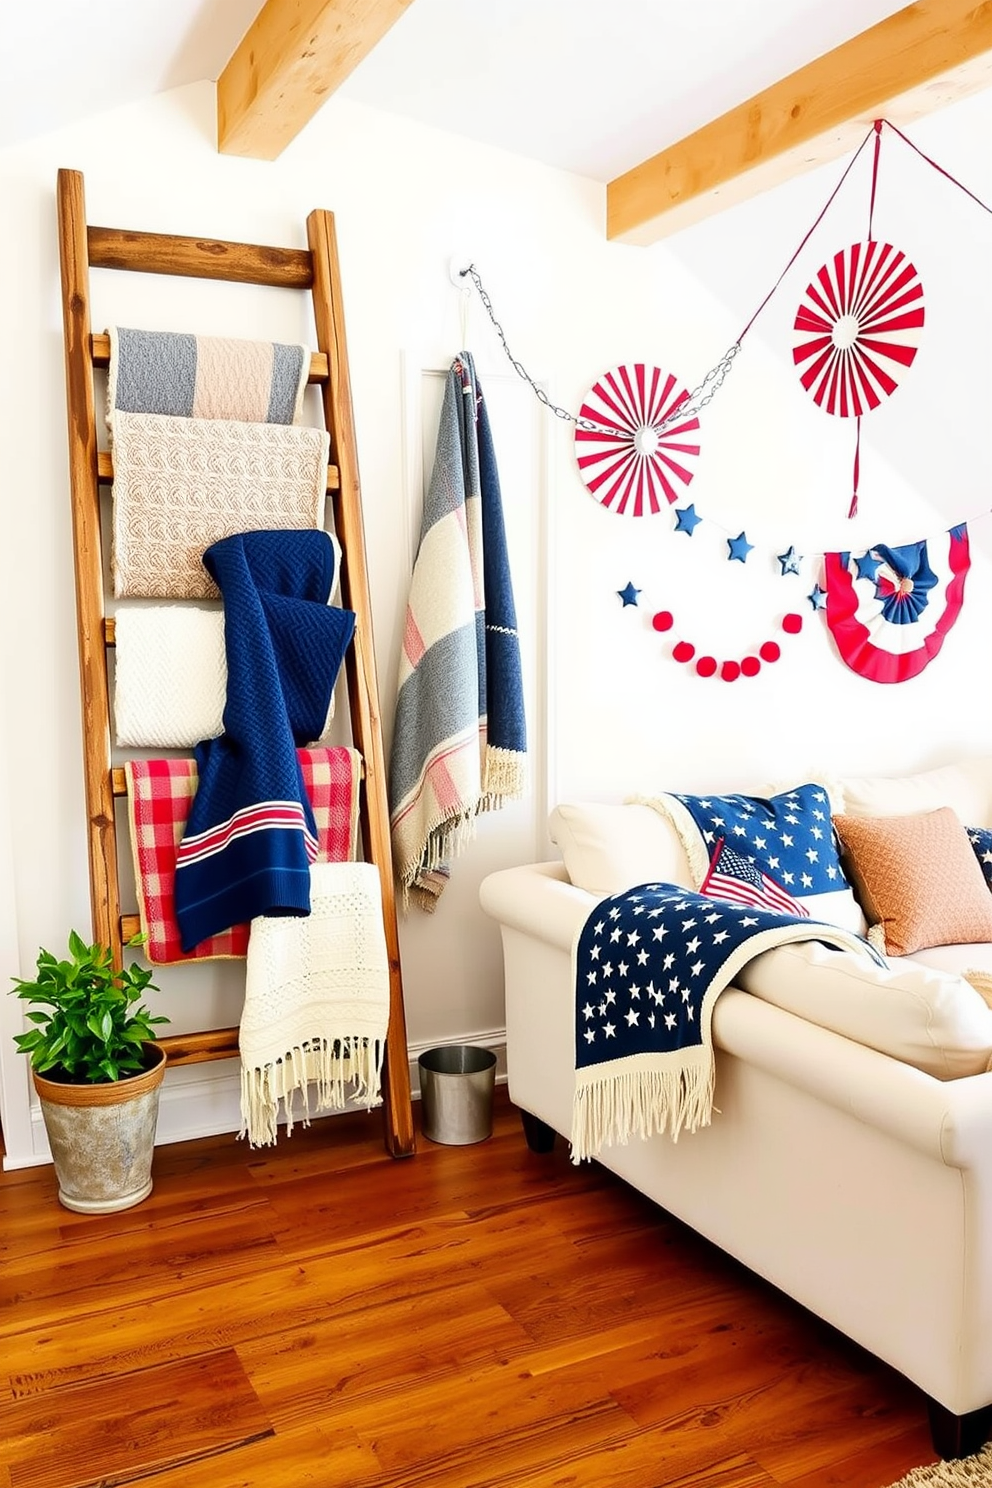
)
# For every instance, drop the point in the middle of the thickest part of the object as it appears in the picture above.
(458, 267)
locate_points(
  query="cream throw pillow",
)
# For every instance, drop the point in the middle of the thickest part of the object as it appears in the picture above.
(609, 847)
(917, 878)
(966, 787)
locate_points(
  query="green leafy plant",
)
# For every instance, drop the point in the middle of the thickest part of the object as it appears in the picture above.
(89, 1025)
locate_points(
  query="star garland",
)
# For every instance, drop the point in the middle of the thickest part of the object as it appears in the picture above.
(687, 519)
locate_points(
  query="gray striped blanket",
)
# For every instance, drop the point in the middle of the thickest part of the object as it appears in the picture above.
(207, 377)
(459, 738)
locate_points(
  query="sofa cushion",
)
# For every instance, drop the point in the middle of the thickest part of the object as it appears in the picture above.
(961, 960)
(971, 962)
(927, 1018)
(917, 878)
(787, 836)
(965, 787)
(607, 848)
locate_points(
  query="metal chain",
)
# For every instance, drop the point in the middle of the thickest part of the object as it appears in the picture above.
(690, 405)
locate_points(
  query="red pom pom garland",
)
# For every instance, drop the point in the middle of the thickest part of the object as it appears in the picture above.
(730, 668)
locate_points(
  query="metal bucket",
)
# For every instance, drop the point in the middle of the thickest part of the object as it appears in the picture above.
(456, 1094)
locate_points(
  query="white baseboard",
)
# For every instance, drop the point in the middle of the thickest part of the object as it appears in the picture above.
(204, 1100)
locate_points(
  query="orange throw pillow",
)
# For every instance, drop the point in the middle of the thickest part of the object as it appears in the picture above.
(917, 878)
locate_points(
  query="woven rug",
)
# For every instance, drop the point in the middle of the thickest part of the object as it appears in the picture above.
(967, 1472)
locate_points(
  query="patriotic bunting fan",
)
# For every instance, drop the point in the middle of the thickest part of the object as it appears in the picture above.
(629, 464)
(858, 328)
(890, 608)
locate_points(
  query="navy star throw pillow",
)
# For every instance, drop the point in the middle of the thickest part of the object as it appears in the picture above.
(981, 842)
(789, 837)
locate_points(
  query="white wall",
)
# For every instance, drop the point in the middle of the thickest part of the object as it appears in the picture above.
(775, 465)
(609, 711)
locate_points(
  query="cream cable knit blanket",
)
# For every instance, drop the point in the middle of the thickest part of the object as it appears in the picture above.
(182, 484)
(316, 1003)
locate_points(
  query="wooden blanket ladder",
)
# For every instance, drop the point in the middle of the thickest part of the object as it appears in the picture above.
(91, 470)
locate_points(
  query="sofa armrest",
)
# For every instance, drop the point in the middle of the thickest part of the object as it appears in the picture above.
(538, 900)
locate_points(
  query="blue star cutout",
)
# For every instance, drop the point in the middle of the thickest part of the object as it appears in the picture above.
(818, 598)
(628, 595)
(739, 548)
(686, 519)
(867, 566)
(790, 561)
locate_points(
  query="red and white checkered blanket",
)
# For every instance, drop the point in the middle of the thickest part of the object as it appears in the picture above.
(160, 792)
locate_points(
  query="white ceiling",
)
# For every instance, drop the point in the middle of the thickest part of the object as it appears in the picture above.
(591, 86)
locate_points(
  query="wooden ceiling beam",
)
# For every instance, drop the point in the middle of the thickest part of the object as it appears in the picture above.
(290, 60)
(930, 54)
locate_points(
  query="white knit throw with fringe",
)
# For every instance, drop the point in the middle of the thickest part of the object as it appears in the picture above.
(316, 1004)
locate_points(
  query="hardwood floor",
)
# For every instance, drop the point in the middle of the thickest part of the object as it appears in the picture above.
(319, 1313)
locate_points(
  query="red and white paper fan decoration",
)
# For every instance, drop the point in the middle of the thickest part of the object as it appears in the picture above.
(630, 466)
(858, 326)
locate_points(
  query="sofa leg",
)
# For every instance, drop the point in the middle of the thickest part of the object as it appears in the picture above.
(540, 1136)
(957, 1436)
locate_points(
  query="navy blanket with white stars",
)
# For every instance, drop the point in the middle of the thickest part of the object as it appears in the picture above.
(649, 965)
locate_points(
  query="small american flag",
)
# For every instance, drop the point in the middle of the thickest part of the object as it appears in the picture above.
(735, 878)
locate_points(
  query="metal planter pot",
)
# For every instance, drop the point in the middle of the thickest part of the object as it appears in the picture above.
(103, 1138)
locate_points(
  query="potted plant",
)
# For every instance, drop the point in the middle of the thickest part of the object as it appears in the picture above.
(98, 1073)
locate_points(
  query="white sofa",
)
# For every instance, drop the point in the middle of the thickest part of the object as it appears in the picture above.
(849, 1156)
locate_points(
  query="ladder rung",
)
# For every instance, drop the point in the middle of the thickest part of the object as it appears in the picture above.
(105, 471)
(215, 1040)
(198, 258)
(100, 351)
(195, 1048)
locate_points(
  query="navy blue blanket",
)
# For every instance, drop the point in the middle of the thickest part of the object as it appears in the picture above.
(501, 696)
(250, 836)
(649, 965)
